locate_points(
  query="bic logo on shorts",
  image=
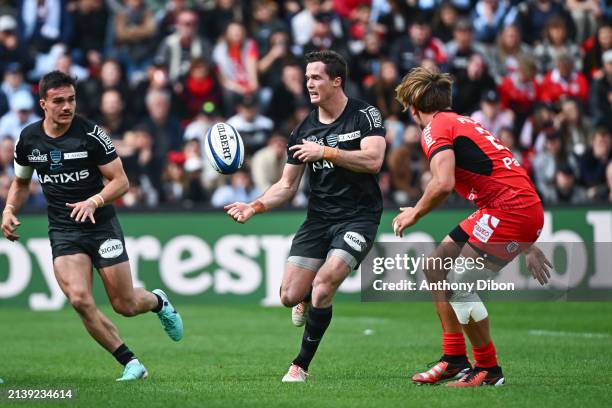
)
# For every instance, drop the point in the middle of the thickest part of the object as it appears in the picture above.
(355, 240)
(111, 248)
(484, 227)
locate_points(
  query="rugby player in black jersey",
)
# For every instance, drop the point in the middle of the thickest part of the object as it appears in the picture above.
(71, 157)
(342, 144)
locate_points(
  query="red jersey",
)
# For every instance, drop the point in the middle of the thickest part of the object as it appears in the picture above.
(485, 170)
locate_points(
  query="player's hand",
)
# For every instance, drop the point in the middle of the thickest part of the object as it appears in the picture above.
(407, 218)
(83, 210)
(240, 212)
(537, 264)
(307, 151)
(9, 225)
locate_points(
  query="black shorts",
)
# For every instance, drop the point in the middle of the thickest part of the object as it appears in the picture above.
(103, 243)
(316, 238)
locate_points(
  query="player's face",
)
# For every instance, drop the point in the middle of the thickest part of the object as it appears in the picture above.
(320, 85)
(60, 105)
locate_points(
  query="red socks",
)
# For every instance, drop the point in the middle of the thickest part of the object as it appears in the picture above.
(453, 344)
(485, 356)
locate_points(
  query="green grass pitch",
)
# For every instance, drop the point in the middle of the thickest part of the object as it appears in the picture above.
(553, 354)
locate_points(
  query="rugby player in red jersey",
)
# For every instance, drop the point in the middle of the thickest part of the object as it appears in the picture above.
(467, 158)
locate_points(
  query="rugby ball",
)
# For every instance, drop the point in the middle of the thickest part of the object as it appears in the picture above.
(224, 148)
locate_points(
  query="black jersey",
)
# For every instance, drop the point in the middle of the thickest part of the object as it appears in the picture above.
(67, 167)
(337, 193)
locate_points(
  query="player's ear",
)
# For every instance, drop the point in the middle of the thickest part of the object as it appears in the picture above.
(337, 82)
(41, 102)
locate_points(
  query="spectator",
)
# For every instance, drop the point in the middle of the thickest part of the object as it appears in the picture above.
(302, 24)
(91, 19)
(44, 24)
(135, 36)
(199, 86)
(323, 37)
(533, 15)
(382, 93)
(143, 169)
(113, 116)
(266, 23)
(470, 86)
(533, 132)
(566, 190)
(594, 162)
(564, 80)
(601, 94)
(193, 166)
(268, 163)
(254, 128)
(178, 49)
(461, 48)
(491, 116)
(7, 149)
(556, 42)
(163, 127)
(366, 67)
(240, 189)
(288, 95)
(444, 21)
(20, 115)
(12, 49)
(488, 17)
(576, 129)
(403, 163)
(236, 57)
(504, 59)
(90, 91)
(594, 49)
(157, 79)
(395, 23)
(409, 51)
(507, 138)
(270, 66)
(585, 14)
(518, 90)
(214, 22)
(546, 164)
(12, 83)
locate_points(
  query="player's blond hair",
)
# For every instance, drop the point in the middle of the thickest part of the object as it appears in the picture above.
(427, 91)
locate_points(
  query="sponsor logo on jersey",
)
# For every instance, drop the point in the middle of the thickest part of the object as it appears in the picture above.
(100, 135)
(56, 158)
(75, 155)
(373, 116)
(484, 227)
(345, 137)
(355, 240)
(37, 157)
(427, 136)
(111, 248)
(332, 140)
(63, 178)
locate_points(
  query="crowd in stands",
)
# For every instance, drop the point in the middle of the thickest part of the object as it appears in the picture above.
(156, 74)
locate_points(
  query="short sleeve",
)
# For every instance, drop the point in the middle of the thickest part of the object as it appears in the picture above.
(292, 142)
(101, 146)
(20, 154)
(436, 138)
(370, 122)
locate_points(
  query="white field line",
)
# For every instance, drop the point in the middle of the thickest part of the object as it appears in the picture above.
(569, 334)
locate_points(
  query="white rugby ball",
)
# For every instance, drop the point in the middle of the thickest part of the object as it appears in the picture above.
(224, 148)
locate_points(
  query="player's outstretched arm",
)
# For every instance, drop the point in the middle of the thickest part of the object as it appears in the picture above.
(278, 194)
(116, 187)
(368, 159)
(442, 168)
(17, 195)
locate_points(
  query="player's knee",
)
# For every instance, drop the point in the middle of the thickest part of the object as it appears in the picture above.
(323, 291)
(124, 308)
(289, 297)
(81, 301)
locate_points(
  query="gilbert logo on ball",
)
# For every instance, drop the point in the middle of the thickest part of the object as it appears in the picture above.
(224, 148)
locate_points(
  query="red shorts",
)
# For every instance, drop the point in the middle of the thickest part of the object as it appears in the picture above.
(504, 233)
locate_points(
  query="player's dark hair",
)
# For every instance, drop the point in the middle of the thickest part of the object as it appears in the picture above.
(335, 64)
(427, 91)
(52, 80)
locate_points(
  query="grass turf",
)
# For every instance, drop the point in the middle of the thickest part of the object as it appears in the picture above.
(235, 355)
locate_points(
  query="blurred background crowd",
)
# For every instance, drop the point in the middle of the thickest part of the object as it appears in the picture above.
(156, 74)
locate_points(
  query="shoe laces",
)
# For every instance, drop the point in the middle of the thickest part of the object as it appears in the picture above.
(296, 371)
(469, 377)
(166, 320)
(300, 308)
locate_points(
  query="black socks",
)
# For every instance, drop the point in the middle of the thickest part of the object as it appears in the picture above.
(123, 354)
(160, 304)
(317, 323)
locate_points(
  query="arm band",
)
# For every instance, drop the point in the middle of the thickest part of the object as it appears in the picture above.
(23, 172)
(258, 206)
(330, 153)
